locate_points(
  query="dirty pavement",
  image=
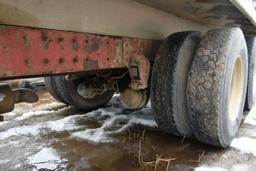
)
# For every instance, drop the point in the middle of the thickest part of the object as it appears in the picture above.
(48, 135)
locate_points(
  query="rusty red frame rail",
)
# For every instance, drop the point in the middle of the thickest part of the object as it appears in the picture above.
(26, 52)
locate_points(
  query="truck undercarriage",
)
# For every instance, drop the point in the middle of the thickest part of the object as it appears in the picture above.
(87, 50)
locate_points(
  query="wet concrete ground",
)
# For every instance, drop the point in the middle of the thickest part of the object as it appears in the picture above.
(51, 136)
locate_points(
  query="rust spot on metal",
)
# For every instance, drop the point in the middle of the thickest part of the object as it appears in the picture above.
(61, 61)
(45, 39)
(26, 40)
(75, 59)
(90, 64)
(92, 45)
(75, 44)
(27, 62)
(45, 61)
(60, 39)
(4, 48)
(44, 36)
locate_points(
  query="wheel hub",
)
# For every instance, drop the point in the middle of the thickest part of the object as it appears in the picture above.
(88, 91)
(134, 99)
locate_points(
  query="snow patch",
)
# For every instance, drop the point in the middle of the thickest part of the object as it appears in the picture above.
(3, 123)
(116, 95)
(112, 120)
(47, 158)
(239, 167)
(27, 111)
(250, 120)
(245, 145)
(4, 161)
(65, 124)
(251, 132)
(113, 123)
(10, 114)
(236, 167)
(143, 121)
(23, 130)
(251, 117)
(32, 113)
(52, 105)
(35, 113)
(93, 135)
(209, 168)
(252, 113)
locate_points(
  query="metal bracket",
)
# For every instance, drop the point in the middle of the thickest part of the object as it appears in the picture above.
(9, 97)
(138, 56)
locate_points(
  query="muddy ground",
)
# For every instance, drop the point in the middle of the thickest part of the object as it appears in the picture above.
(48, 135)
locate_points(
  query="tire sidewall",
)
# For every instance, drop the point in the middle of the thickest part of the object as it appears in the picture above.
(169, 80)
(229, 129)
(184, 61)
(250, 101)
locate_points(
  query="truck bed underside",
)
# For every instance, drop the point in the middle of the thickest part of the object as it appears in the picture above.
(216, 12)
(140, 18)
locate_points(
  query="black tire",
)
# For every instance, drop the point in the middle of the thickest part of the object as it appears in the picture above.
(69, 92)
(169, 82)
(251, 88)
(214, 86)
(50, 84)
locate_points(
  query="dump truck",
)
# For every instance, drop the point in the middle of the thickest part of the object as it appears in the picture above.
(194, 59)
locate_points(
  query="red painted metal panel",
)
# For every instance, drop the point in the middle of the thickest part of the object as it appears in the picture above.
(30, 52)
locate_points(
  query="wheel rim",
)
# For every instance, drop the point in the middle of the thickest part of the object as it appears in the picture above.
(236, 89)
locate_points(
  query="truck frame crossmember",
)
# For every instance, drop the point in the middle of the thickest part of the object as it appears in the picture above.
(26, 52)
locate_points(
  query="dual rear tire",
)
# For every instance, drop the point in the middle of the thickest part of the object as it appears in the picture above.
(169, 80)
(205, 97)
(217, 85)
